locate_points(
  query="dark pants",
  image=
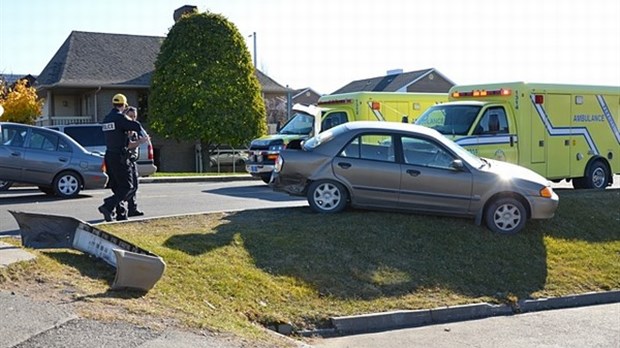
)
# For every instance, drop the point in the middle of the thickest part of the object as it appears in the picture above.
(132, 202)
(121, 180)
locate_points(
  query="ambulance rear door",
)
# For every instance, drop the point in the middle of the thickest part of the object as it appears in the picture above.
(557, 109)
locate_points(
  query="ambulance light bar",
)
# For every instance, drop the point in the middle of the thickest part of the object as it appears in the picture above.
(336, 101)
(482, 93)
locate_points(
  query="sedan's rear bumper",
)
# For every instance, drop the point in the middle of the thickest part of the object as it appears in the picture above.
(292, 186)
(146, 168)
(95, 181)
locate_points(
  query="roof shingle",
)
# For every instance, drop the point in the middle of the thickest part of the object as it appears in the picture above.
(95, 59)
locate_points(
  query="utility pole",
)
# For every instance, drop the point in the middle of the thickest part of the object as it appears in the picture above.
(254, 37)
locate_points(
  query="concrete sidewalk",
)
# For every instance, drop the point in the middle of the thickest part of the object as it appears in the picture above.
(30, 323)
(10, 254)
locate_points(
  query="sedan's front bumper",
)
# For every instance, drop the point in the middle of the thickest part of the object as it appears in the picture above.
(543, 208)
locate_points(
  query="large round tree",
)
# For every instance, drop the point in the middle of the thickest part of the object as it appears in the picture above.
(204, 87)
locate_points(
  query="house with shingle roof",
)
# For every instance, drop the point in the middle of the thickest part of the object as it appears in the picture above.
(306, 96)
(421, 81)
(9, 80)
(80, 80)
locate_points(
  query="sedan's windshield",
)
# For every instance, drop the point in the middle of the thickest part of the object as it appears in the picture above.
(299, 123)
(449, 119)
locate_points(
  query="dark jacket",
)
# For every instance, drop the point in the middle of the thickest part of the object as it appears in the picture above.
(115, 127)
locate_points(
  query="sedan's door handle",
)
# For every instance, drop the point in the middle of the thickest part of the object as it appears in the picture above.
(344, 165)
(16, 154)
(63, 159)
(413, 172)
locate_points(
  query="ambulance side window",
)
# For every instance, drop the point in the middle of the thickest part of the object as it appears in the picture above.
(493, 121)
(334, 119)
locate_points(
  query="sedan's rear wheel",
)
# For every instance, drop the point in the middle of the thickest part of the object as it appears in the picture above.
(326, 196)
(506, 216)
(67, 184)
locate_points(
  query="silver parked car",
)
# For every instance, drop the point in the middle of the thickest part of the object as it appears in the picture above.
(51, 160)
(91, 137)
(398, 166)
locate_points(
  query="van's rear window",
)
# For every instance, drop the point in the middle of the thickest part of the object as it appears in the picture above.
(87, 136)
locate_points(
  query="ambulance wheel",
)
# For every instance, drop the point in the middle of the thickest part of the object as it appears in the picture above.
(326, 196)
(597, 176)
(505, 215)
(579, 183)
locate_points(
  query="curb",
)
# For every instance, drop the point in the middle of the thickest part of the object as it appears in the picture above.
(376, 322)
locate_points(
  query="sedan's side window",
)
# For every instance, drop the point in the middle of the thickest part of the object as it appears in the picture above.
(352, 150)
(423, 152)
(63, 145)
(43, 141)
(377, 147)
(14, 136)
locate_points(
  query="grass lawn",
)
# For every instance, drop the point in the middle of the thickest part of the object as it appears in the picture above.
(232, 271)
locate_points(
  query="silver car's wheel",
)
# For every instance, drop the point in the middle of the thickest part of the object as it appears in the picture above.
(506, 216)
(67, 184)
(5, 185)
(327, 196)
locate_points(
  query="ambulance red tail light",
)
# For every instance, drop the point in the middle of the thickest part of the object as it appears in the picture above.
(539, 99)
(376, 105)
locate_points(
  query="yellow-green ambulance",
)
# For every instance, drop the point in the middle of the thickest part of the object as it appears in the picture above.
(560, 131)
(332, 110)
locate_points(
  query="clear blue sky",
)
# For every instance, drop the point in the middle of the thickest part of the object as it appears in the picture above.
(325, 44)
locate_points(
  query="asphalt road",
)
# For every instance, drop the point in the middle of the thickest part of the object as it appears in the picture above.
(155, 199)
(160, 199)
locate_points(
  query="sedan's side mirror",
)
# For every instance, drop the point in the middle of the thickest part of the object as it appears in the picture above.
(457, 165)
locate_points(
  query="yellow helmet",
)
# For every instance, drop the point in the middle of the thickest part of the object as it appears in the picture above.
(119, 99)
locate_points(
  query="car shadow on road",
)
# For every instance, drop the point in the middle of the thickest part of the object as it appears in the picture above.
(266, 194)
(33, 196)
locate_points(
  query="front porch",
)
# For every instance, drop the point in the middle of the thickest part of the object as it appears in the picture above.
(63, 120)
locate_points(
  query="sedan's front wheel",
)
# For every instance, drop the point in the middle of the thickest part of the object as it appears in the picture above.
(506, 216)
(326, 196)
(67, 184)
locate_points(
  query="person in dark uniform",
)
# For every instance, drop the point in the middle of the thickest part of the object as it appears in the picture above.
(115, 129)
(135, 139)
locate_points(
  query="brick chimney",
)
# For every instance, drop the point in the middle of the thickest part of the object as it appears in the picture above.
(183, 10)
